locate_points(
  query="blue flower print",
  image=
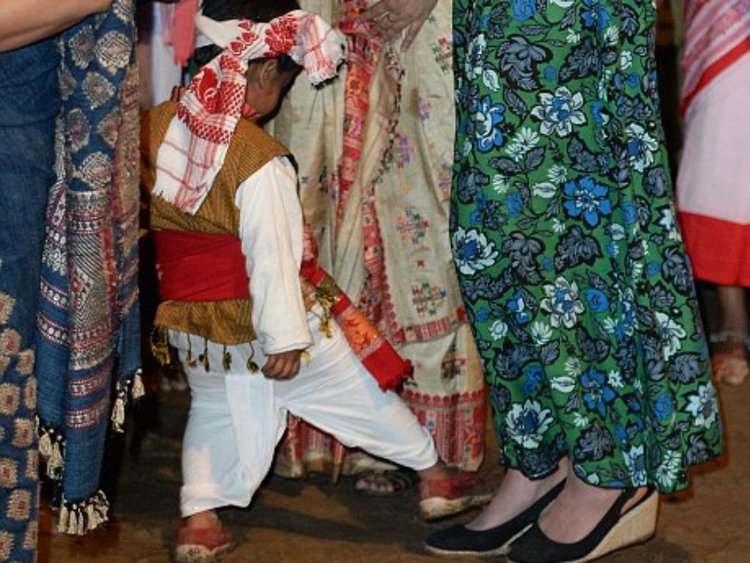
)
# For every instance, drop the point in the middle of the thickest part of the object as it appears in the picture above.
(534, 376)
(597, 393)
(518, 306)
(587, 198)
(527, 423)
(489, 116)
(481, 205)
(663, 407)
(629, 215)
(596, 300)
(652, 269)
(559, 112)
(523, 9)
(472, 251)
(562, 303)
(600, 117)
(514, 204)
(621, 435)
(596, 16)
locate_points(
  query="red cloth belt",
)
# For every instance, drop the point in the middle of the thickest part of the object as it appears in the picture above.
(200, 267)
(211, 267)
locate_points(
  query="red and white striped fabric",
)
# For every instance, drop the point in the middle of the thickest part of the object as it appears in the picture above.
(713, 185)
(197, 139)
(717, 33)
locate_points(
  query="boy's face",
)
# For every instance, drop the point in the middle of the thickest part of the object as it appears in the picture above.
(266, 87)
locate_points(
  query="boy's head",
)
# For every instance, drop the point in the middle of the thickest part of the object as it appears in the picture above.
(256, 47)
(267, 79)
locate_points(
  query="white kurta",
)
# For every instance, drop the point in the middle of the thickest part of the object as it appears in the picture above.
(237, 418)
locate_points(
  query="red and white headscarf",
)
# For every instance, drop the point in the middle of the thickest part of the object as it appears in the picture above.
(198, 137)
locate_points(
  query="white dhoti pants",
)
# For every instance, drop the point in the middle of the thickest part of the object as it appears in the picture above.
(237, 418)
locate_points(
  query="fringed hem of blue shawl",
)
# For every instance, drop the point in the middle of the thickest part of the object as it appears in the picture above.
(77, 517)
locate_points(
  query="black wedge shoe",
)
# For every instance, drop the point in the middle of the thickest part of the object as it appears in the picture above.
(459, 540)
(614, 531)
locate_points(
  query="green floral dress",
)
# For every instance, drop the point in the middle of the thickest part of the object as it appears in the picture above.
(564, 236)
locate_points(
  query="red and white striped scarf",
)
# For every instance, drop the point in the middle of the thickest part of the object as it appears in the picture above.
(717, 33)
(198, 137)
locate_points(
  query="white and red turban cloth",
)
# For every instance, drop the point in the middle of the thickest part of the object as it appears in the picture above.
(198, 137)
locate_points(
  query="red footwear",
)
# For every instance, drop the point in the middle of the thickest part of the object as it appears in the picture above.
(454, 494)
(202, 545)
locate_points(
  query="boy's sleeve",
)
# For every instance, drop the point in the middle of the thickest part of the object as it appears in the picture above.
(271, 231)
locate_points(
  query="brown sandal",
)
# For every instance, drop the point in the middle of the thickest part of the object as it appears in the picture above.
(729, 357)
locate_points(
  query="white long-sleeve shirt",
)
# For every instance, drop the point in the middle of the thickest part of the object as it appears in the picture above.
(271, 232)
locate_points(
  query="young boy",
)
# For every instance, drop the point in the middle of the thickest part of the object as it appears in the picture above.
(244, 302)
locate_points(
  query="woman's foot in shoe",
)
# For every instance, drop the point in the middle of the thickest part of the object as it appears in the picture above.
(585, 523)
(516, 505)
(516, 493)
(578, 508)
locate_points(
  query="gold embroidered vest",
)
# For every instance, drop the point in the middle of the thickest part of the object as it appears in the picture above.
(227, 321)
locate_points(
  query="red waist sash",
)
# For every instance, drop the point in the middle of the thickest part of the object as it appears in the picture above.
(200, 267)
(211, 267)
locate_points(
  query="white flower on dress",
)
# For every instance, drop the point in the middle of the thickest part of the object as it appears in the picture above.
(557, 174)
(703, 405)
(525, 140)
(475, 57)
(573, 367)
(527, 424)
(559, 112)
(616, 231)
(641, 147)
(563, 384)
(667, 221)
(670, 333)
(573, 38)
(626, 60)
(545, 190)
(612, 35)
(472, 251)
(562, 303)
(500, 183)
(614, 378)
(541, 333)
(498, 330)
(668, 470)
(604, 81)
(558, 226)
(635, 462)
(580, 420)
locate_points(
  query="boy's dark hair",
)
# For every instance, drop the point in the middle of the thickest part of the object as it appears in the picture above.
(256, 10)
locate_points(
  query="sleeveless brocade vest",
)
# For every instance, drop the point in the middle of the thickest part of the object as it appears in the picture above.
(227, 321)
